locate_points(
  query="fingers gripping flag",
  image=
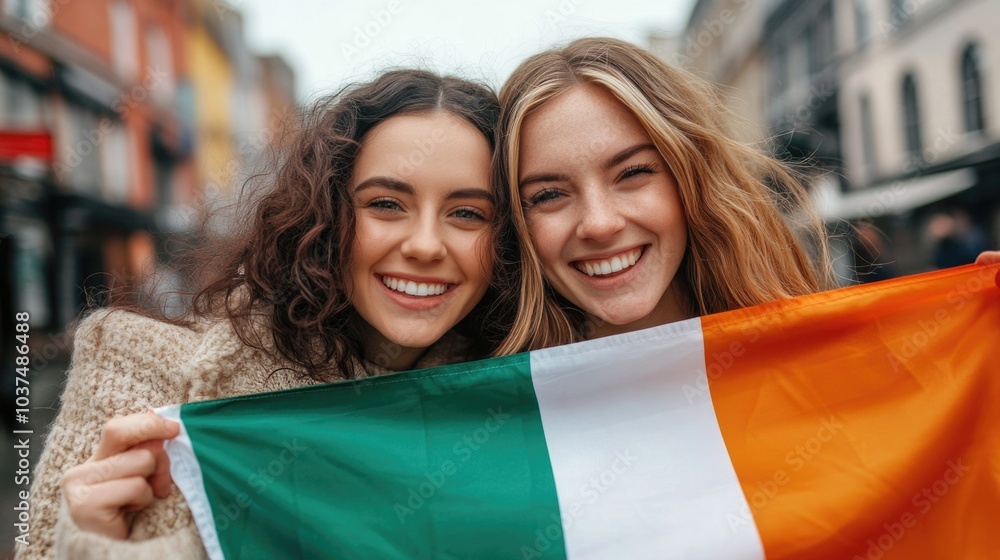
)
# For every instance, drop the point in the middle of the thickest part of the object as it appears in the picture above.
(858, 423)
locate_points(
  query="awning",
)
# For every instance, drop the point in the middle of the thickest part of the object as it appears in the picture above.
(892, 198)
(77, 213)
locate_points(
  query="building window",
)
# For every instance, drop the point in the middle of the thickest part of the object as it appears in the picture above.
(124, 40)
(911, 117)
(29, 269)
(862, 24)
(824, 37)
(20, 104)
(812, 49)
(36, 13)
(899, 12)
(80, 166)
(779, 71)
(114, 162)
(160, 64)
(972, 90)
(868, 136)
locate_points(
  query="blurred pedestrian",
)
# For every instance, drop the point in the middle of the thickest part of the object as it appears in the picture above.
(872, 261)
(957, 240)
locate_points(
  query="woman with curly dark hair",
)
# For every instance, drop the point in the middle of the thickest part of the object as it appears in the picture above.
(381, 245)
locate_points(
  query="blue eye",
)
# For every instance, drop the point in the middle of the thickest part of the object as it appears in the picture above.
(385, 204)
(543, 195)
(469, 214)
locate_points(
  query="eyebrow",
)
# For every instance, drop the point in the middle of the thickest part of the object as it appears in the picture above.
(611, 162)
(627, 153)
(472, 193)
(406, 188)
(384, 182)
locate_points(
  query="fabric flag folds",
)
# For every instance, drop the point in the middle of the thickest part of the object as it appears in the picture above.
(858, 423)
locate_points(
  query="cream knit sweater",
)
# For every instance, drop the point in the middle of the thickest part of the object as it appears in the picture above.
(124, 363)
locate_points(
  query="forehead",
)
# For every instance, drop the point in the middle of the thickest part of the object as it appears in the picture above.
(581, 124)
(417, 146)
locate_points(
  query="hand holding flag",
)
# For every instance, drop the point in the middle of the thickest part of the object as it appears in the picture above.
(989, 257)
(126, 472)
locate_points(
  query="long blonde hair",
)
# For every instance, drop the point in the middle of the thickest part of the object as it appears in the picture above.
(740, 251)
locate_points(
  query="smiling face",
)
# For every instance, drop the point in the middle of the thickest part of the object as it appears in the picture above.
(603, 211)
(423, 210)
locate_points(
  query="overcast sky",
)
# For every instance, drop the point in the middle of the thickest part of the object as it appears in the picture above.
(329, 42)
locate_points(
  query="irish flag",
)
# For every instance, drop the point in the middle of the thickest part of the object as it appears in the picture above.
(858, 423)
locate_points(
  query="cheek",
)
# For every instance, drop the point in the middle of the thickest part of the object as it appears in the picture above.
(547, 236)
(474, 253)
(372, 242)
(664, 212)
(361, 245)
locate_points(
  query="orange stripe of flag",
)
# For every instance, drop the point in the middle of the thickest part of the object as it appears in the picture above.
(865, 422)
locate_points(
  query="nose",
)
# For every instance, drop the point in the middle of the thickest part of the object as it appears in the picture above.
(601, 219)
(424, 242)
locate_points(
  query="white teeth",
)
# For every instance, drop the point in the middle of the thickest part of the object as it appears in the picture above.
(412, 288)
(616, 263)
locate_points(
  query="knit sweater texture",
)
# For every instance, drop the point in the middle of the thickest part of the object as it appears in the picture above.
(124, 363)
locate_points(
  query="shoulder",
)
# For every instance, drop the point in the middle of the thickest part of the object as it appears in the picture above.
(119, 336)
(121, 328)
(134, 360)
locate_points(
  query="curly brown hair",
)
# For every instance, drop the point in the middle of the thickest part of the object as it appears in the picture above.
(286, 265)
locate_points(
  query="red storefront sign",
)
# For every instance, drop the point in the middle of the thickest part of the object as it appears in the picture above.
(31, 144)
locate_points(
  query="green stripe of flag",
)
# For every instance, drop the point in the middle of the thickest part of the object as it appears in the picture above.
(451, 460)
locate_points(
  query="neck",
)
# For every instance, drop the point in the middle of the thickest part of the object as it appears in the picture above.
(395, 357)
(381, 351)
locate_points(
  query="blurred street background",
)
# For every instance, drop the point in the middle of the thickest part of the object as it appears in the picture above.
(124, 122)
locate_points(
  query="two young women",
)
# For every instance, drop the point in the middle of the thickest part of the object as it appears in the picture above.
(384, 245)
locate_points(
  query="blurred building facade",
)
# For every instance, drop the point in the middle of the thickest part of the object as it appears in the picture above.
(118, 118)
(890, 99)
(722, 43)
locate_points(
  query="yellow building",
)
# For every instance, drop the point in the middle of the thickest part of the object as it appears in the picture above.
(212, 77)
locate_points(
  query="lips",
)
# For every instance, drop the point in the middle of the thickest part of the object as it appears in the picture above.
(610, 265)
(414, 288)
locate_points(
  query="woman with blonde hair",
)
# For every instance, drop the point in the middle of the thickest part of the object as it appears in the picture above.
(639, 206)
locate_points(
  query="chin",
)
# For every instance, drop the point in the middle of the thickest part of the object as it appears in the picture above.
(622, 317)
(408, 340)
